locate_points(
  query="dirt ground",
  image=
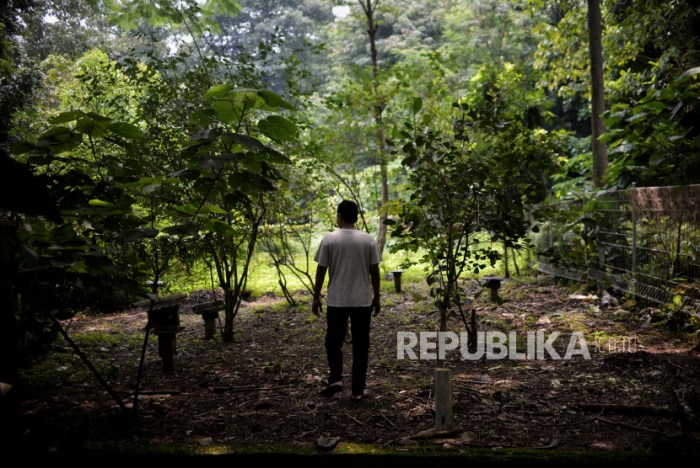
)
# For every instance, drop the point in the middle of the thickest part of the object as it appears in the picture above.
(638, 393)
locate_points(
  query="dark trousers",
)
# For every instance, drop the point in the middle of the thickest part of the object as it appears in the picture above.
(337, 321)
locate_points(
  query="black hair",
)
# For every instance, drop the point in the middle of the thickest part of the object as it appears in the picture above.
(348, 210)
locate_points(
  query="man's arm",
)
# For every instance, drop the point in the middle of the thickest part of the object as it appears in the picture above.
(318, 286)
(374, 276)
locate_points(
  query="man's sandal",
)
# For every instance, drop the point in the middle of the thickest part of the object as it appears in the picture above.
(359, 397)
(332, 389)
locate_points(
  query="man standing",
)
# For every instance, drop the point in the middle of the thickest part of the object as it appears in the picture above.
(352, 259)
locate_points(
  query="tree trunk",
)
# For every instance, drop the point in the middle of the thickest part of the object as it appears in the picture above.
(229, 306)
(443, 307)
(595, 34)
(381, 231)
(472, 334)
(232, 297)
(378, 108)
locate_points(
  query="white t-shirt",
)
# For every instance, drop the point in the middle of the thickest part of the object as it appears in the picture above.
(348, 253)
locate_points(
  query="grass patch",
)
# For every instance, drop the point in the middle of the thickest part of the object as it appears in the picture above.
(350, 454)
(264, 278)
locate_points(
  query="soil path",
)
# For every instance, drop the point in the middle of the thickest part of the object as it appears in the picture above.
(638, 392)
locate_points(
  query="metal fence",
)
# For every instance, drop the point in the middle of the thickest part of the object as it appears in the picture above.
(644, 241)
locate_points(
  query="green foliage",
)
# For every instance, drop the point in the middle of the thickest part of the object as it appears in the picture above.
(69, 260)
(129, 13)
(19, 81)
(45, 373)
(443, 213)
(232, 174)
(488, 32)
(134, 194)
(109, 339)
(653, 139)
(563, 51)
(472, 179)
(679, 317)
(290, 232)
(164, 153)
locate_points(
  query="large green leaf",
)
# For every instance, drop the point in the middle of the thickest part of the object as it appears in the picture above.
(151, 188)
(248, 182)
(275, 157)
(258, 151)
(126, 130)
(275, 100)
(219, 227)
(227, 110)
(262, 162)
(98, 202)
(204, 186)
(205, 136)
(106, 208)
(133, 235)
(187, 174)
(189, 210)
(233, 105)
(248, 142)
(56, 134)
(234, 198)
(65, 117)
(278, 128)
(417, 104)
(218, 92)
(215, 209)
(98, 117)
(22, 147)
(90, 126)
(187, 229)
(214, 163)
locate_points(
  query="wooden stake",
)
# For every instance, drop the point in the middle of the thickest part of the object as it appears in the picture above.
(444, 418)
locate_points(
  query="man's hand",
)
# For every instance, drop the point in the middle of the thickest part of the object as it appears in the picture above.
(316, 307)
(376, 305)
(374, 278)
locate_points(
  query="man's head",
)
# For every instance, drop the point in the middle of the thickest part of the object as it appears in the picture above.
(347, 209)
